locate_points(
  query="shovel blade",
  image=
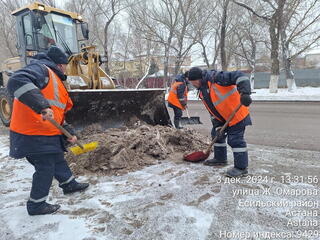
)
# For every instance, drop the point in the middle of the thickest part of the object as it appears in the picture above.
(86, 148)
(190, 121)
(196, 156)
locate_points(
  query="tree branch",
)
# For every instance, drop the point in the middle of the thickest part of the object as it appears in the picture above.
(251, 10)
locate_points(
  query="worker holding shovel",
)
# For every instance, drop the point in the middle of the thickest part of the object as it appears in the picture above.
(178, 97)
(39, 98)
(222, 93)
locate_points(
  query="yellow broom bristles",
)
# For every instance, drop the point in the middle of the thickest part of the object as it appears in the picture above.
(86, 148)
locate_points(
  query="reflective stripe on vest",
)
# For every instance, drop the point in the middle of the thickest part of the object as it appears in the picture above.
(173, 95)
(225, 99)
(25, 121)
(22, 90)
(222, 97)
(55, 101)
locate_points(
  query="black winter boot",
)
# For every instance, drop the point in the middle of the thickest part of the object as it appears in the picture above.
(236, 172)
(74, 186)
(215, 162)
(43, 208)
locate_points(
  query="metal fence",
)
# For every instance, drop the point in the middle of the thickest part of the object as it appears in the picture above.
(304, 78)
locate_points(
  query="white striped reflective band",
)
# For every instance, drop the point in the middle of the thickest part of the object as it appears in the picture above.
(55, 86)
(25, 88)
(56, 103)
(217, 91)
(181, 99)
(69, 180)
(239, 149)
(220, 144)
(38, 200)
(241, 79)
(222, 98)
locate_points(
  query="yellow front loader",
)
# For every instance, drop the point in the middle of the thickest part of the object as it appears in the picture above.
(95, 96)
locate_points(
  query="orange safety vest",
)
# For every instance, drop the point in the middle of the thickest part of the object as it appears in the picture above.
(225, 100)
(173, 96)
(25, 121)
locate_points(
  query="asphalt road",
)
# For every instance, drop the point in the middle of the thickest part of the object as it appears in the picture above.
(293, 125)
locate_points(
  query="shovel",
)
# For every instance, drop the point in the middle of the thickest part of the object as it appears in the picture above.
(190, 120)
(203, 155)
(80, 149)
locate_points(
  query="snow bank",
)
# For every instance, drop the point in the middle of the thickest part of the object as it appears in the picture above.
(300, 94)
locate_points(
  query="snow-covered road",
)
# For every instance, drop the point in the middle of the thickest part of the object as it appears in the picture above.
(173, 201)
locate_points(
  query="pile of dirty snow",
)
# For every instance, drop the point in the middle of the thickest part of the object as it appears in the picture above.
(122, 150)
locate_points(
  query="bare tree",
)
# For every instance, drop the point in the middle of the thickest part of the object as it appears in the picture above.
(157, 22)
(109, 10)
(224, 63)
(134, 46)
(51, 3)
(77, 6)
(272, 13)
(96, 25)
(176, 25)
(207, 39)
(220, 35)
(8, 28)
(207, 27)
(300, 32)
(250, 32)
(185, 36)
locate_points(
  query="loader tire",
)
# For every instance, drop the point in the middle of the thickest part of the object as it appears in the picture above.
(5, 106)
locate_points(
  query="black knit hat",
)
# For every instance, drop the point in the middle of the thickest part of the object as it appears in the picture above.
(57, 55)
(195, 73)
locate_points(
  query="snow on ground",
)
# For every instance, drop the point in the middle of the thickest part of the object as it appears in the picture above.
(172, 201)
(300, 94)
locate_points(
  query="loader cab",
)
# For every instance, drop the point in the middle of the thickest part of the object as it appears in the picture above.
(39, 27)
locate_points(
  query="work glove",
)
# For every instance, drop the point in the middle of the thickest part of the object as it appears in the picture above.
(216, 132)
(245, 99)
(216, 126)
(71, 130)
(47, 113)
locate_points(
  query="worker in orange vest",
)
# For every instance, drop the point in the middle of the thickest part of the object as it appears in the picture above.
(39, 95)
(178, 97)
(221, 92)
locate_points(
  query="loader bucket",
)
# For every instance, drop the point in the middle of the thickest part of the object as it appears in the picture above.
(113, 108)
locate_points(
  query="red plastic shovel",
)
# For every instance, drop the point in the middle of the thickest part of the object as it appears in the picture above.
(203, 155)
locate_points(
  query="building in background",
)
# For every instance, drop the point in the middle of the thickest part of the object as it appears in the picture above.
(129, 71)
(137, 67)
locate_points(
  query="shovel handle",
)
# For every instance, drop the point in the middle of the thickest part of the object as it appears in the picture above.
(64, 131)
(225, 125)
(187, 113)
